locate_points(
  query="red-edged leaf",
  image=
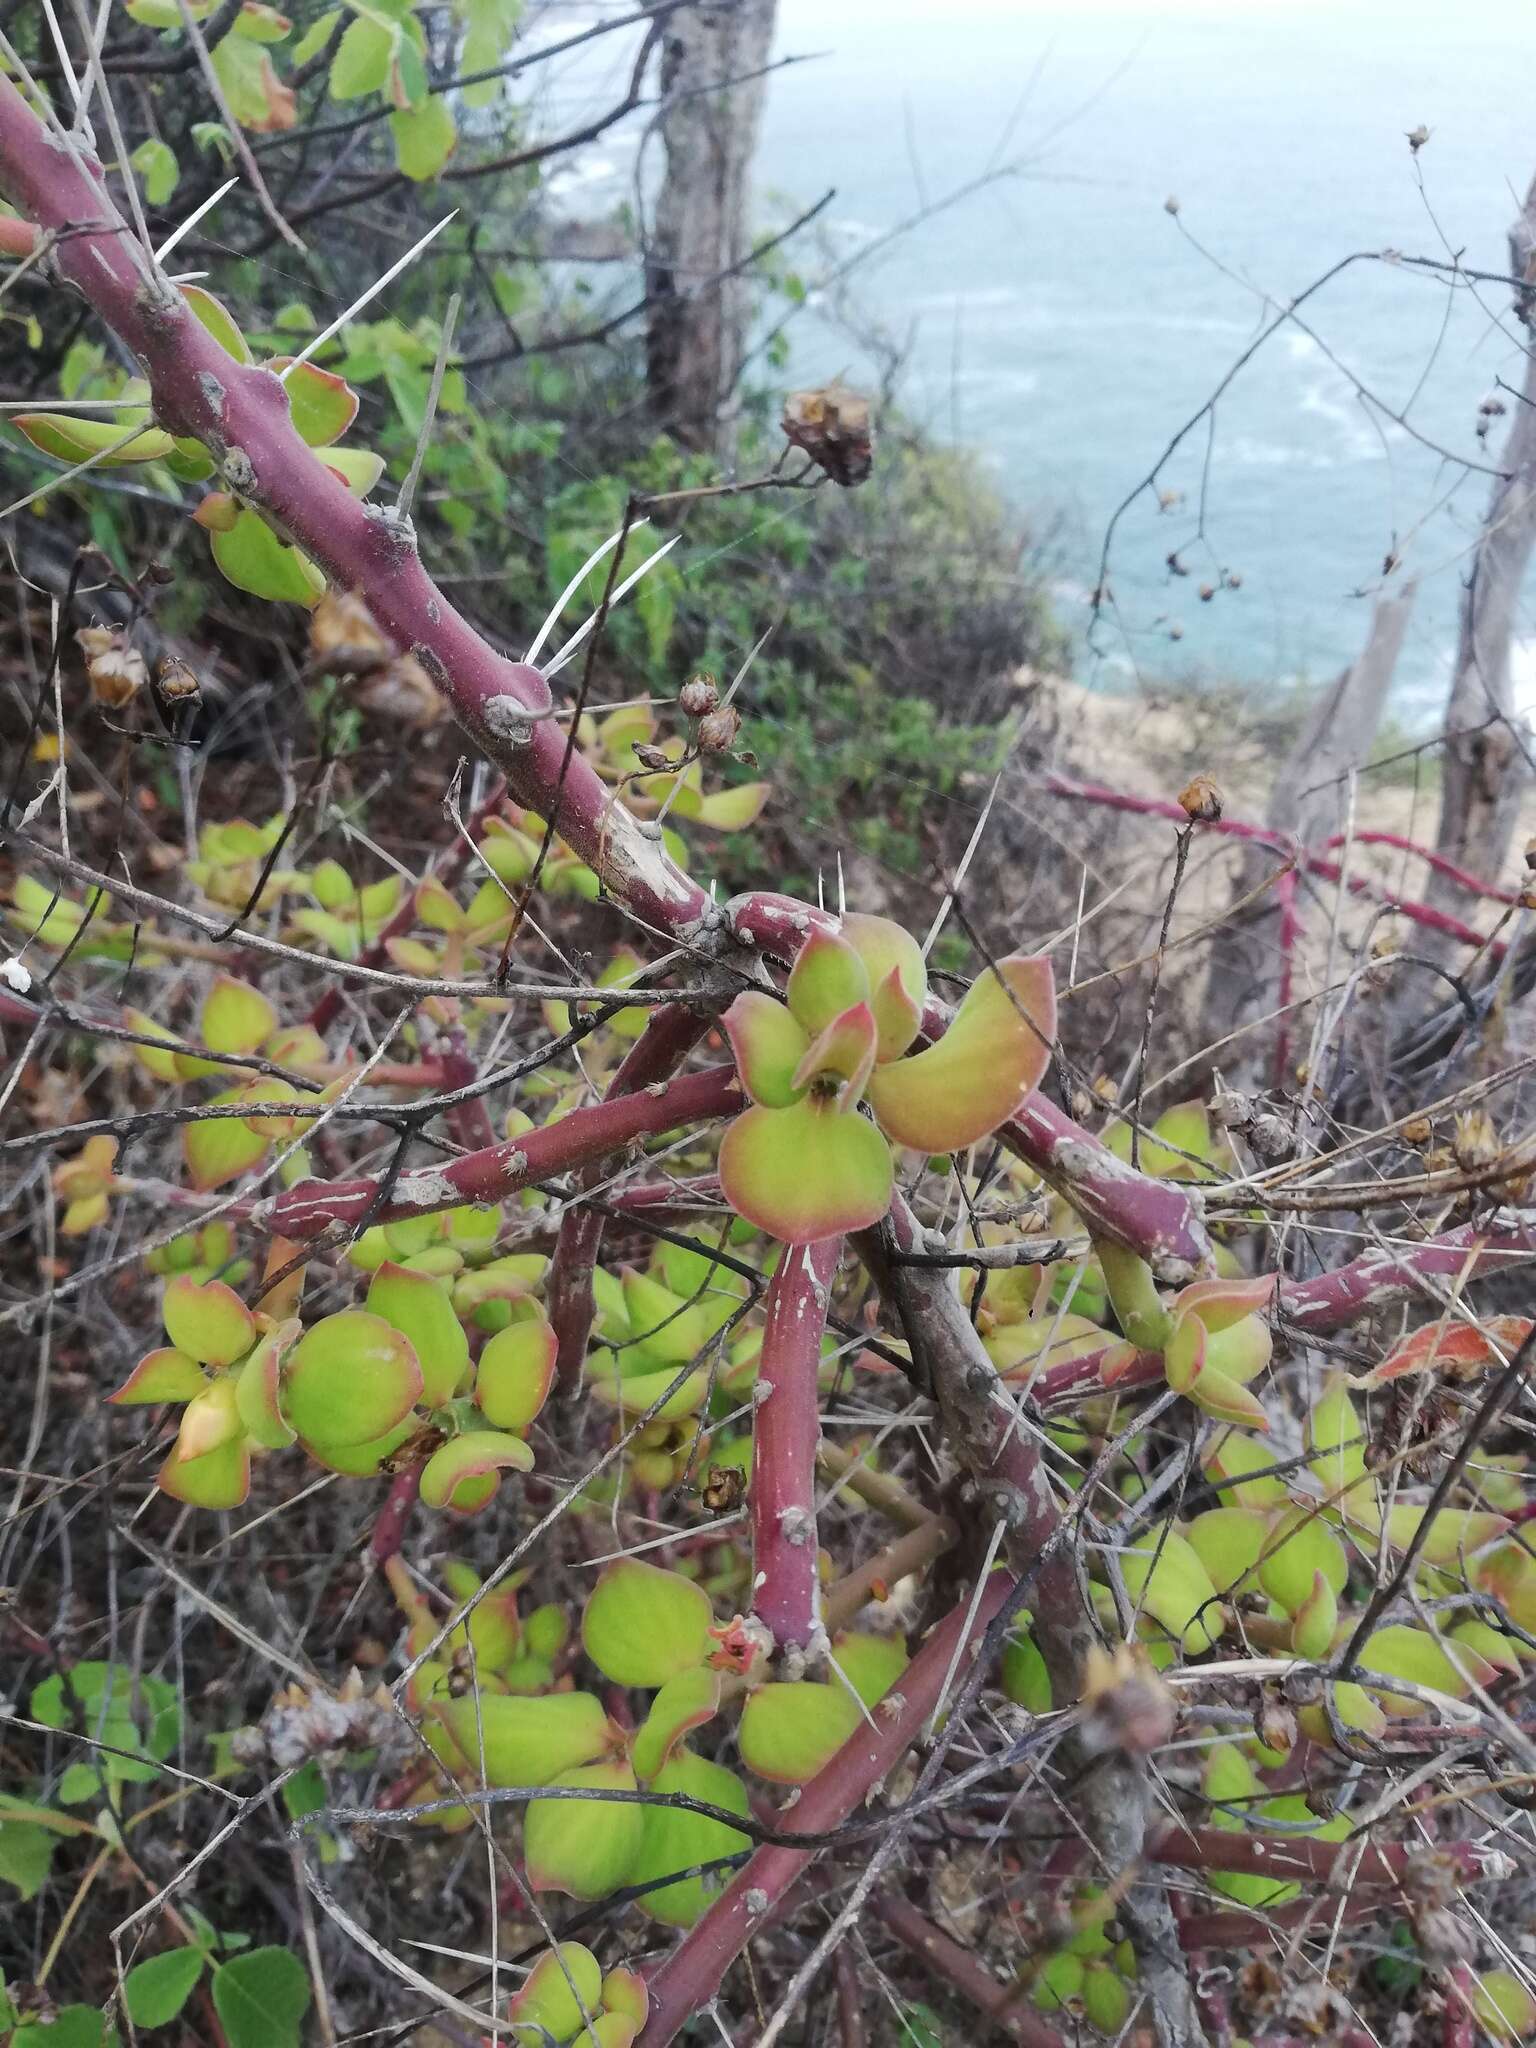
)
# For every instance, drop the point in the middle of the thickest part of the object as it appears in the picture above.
(806, 1172)
(768, 1045)
(844, 1048)
(994, 1052)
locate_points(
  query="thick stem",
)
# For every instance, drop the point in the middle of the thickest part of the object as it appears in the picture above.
(389, 1523)
(1157, 1220)
(690, 1977)
(668, 1038)
(304, 1211)
(240, 413)
(786, 1429)
(1287, 1858)
(955, 1966)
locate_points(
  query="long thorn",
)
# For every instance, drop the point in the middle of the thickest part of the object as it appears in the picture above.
(570, 590)
(367, 297)
(193, 218)
(628, 584)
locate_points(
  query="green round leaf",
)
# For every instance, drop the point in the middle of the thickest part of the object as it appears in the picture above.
(209, 1323)
(416, 1306)
(515, 1373)
(527, 1740)
(349, 1379)
(155, 1990)
(643, 1624)
(806, 1172)
(675, 1839)
(584, 1847)
(261, 1997)
(789, 1731)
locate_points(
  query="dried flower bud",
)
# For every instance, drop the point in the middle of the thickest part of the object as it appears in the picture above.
(699, 696)
(1274, 1723)
(1233, 578)
(1200, 800)
(1271, 1136)
(717, 732)
(1234, 1112)
(1476, 1142)
(1207, 592)
(657, 759)
(1126, 1705)
(1417, 1131)
(1171, 205)
(176, 684)
(1417, 137)
(158, 572)
(834, 428)
(116, 671)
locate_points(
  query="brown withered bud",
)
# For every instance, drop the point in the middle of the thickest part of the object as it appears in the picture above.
(1174, 566)
(1200, 800)
(1527, 899)
(1476, 1142)
(1126, 1705)
(176, 685)
(1083, 1103)
(834, 427)
(1271, 1136)
(1175, 632)
(698, 696)
(724, 1490)
(116, 670)
(717, 732)
(1274, 1723)
(1171, 205)
(1232, 1110)
(1233, 578)
(1418, 1131)
(1417, 137)
(1207, 592)
(657, 759)
(158, 572)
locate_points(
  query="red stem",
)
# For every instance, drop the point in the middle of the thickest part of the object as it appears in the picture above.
(1287, 890)
(302, 1212)
(389, 1523)
(786, 1429)
(1289, 1857)
(469, 1123)
(958, 1967)
(690, 1977)
(1314, 863)
(669, 1036)
(240, 413)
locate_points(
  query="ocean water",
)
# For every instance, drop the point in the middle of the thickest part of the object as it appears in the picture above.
(1058, 318)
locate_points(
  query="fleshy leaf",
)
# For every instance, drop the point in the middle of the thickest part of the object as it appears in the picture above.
(686, 1701)
(322, 404)
(1228, 1542)
(1164, 1575)
(584, 1847)
(515, 1373)
(676, 1839)
(235, 1017)
(1221, 1303)
(465, 1473)
(221, 1479)
(563, 1988)
(71, 438)
(1454, 1533)
(807, 1172)
(1399, 1651)
(827, 978)
(665, 1324)
(252, 557)
(871, 1664)
(1300, 1545)
(216, 317)
(258, 1389)
(164, 1375)
(768, 1045)
(527, 1741)
(844, 1049)
(1451, 1348)
(996, 1050)
(898, 975)
(220, 1149)
(210, 1420)
(788, 1732)
(209, 1322)
(350, 1378)
(416, 1306)
(642, 1625)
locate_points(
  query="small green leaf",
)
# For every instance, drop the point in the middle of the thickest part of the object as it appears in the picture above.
(213, 314)
(254, 559)
(159, 172)
(75, 2026)
(155, 1990)
(26, 1855)
(361, 63)
(350, 1378)
(322, 404)
(261, 1998)
(424, 140)
(316, 36)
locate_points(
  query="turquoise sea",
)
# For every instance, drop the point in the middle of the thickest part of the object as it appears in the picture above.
(1059, 318)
